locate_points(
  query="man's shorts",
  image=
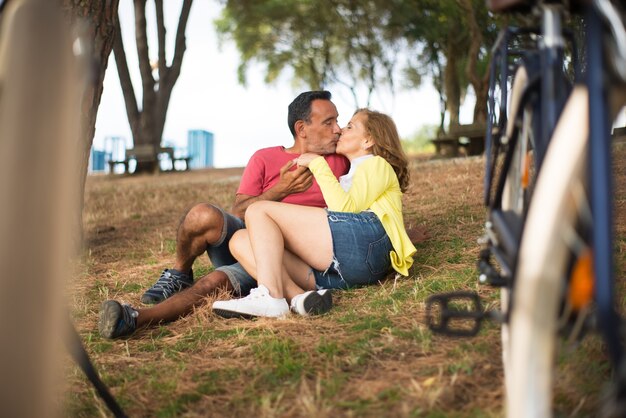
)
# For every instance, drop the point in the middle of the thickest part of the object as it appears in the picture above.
(223, 260)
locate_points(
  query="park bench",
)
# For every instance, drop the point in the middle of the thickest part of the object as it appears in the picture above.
(142, 153)
(471, 140)
(467, 138)
(619, 134)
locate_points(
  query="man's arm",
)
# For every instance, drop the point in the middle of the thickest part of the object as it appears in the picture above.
(290, 182)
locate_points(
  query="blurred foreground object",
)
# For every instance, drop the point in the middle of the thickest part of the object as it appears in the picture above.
(39, 107)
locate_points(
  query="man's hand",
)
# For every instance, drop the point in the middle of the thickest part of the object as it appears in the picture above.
(294, 181)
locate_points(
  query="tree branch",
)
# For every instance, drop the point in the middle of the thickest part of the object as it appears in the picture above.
(168, 79)
(161, 37)
(180, 39)
(127, 86)
(145, 68)
(475, 43)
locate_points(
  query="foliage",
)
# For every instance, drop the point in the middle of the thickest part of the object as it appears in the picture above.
(322, 42)
(452, 39)
(419, 142)
(351, 44)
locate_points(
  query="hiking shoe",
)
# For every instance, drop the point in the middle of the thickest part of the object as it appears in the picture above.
(117, 320)
(171, 281)
(257, 303)
(312, 302)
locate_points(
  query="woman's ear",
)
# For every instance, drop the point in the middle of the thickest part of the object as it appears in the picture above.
(367, 143)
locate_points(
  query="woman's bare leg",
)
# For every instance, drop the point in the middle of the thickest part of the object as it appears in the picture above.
(274, 227)
(295, 272)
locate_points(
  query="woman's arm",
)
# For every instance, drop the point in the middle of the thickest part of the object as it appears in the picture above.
(371, 179)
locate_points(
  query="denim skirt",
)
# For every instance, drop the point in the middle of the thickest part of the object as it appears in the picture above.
(361, 250)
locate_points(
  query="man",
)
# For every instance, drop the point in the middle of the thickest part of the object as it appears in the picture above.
(271, 174)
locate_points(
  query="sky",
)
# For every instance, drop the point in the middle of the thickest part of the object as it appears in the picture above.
(208, 96)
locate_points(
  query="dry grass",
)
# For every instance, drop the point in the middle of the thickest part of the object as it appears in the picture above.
(371, 356)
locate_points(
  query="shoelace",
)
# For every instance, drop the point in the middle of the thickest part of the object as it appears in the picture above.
(168, 284)
(258, 293)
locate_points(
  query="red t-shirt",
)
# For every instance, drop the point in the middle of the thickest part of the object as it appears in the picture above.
(263, 172)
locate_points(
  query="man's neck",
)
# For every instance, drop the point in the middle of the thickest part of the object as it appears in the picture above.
(297, 148)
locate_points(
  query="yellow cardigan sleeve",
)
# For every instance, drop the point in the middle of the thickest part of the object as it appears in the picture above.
(370, 181)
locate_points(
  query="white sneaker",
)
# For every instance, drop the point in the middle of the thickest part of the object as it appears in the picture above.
(258, 303)
(312, 302)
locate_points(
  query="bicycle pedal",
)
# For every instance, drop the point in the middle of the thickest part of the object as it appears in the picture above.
(457, 314)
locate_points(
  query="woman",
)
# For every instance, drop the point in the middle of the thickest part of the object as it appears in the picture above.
(294, 250)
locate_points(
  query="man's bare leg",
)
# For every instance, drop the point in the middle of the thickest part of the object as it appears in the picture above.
(183, 303)
(118, 320)
(199, 228)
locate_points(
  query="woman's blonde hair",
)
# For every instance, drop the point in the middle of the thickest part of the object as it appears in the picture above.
(382, 129)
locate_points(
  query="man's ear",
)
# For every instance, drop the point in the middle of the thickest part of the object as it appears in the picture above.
(299, 128)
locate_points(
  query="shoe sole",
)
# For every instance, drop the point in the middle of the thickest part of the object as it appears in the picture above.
(225, 313)
(316, 304)
(109, 317)
(148, 300)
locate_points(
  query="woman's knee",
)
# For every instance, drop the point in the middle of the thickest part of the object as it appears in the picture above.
(257, 209)
(237, 242)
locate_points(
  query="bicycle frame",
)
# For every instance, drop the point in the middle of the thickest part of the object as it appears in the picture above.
(601, 187)
(575, 129)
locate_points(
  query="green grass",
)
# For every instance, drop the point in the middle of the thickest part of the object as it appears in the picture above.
(371, 356)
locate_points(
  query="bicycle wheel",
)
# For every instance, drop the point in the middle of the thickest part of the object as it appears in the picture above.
(519, 181)
(548, 241)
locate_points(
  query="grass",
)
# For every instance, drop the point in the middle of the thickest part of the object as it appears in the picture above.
(371, 356)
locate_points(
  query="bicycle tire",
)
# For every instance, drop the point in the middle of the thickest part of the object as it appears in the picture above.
(543, 262)
(517, 190)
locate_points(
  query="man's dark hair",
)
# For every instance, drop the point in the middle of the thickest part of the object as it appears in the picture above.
(300, 108)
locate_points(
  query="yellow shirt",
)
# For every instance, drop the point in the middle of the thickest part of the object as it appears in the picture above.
(375, 187)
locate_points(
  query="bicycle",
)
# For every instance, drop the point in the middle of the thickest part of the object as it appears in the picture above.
(548, 236)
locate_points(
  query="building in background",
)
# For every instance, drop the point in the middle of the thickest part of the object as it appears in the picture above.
(114, 150)
(200, 148)
(98, 161)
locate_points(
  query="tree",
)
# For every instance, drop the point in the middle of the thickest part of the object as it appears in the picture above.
(94, 22)
(323, 42)
(356, 43)
(476, 70)
(147, 123)
(454, 39)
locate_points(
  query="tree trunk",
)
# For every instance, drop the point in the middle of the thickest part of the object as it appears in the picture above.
(147, 124)
(480, 108)
(479, 82)
(94, 22)
(452, 86)
(41, 94)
